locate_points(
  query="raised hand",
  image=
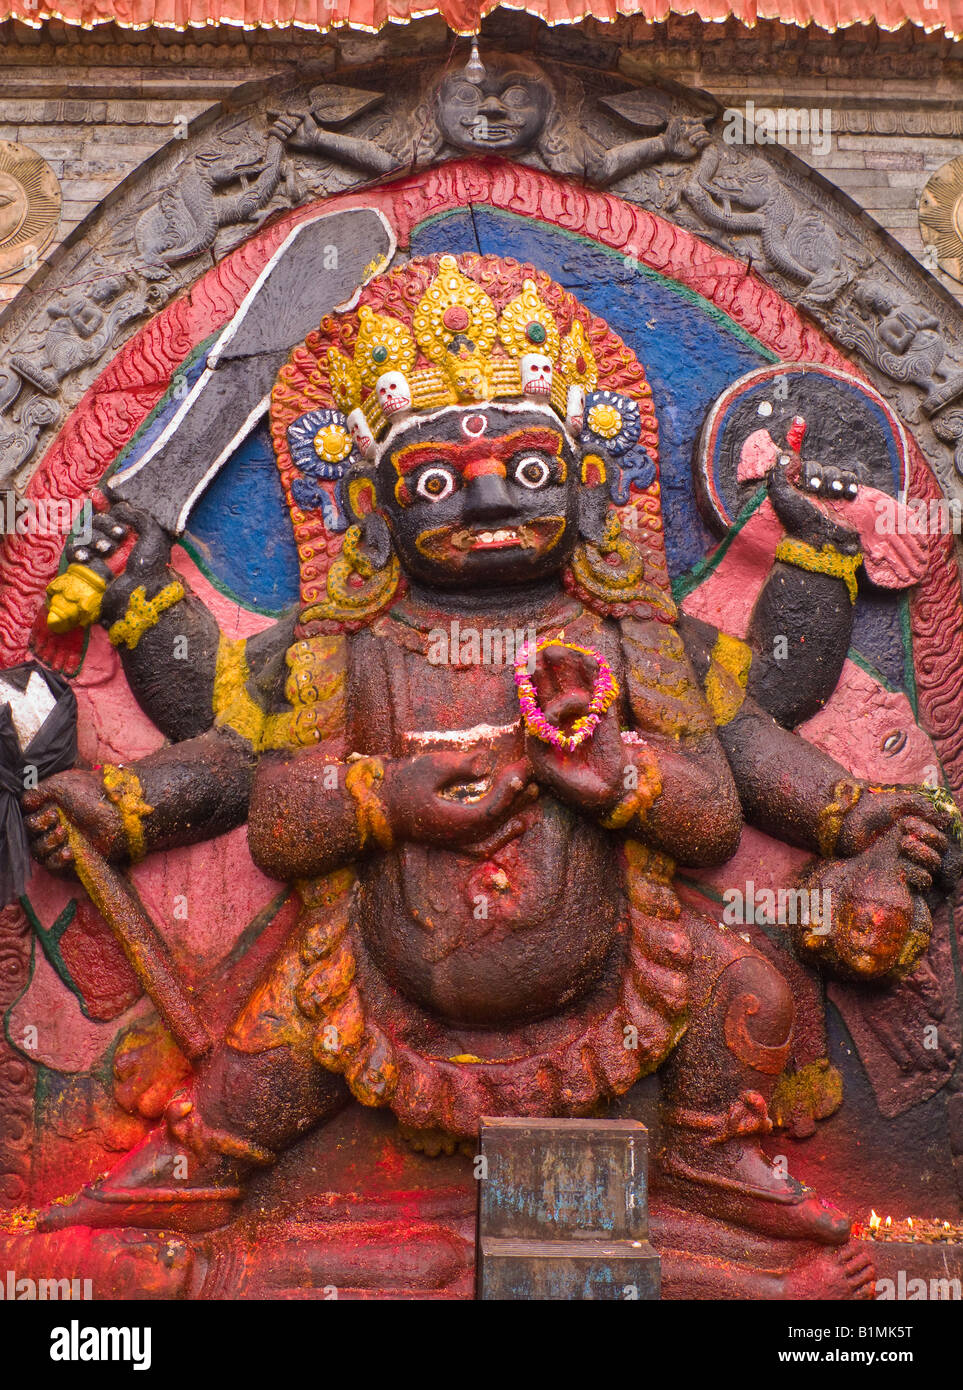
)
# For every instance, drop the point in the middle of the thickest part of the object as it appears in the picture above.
(794, 502)
(685, 136)
(591, 776)
(151, 551)
(109, 534)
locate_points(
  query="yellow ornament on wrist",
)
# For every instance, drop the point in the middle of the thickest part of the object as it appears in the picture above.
(828, 560)
(360, 780)
(829, 822)
(123, 788)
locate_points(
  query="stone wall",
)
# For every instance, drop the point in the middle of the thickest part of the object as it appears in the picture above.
(97, 103)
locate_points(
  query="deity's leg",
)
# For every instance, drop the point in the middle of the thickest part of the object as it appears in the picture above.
(258, 1092)
(716, 1092)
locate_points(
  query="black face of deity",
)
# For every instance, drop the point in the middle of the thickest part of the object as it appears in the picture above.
(505, 111)
(481, 497)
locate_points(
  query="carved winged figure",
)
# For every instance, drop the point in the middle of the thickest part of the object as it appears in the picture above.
(507, 106)
(743, 196)
(187, 217)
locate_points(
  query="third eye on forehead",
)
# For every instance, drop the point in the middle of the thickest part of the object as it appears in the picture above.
(449, 428)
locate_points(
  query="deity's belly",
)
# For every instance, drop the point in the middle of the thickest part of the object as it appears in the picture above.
(488, 940)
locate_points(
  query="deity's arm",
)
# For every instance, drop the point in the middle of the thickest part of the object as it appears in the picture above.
(309, 135)
(883, 858)
(180, 795)
(180, 668)
(321, 808)
(167, 641)
(682, 139)
(622, 160)
(694, 815)
(312, 811)
(802, 621)
(197, 789)
(784, 782)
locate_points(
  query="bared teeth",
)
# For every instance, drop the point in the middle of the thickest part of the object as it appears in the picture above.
(477, 540)
(480, 538)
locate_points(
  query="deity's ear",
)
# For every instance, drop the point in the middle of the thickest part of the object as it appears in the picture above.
(375, 536)
(592, 500)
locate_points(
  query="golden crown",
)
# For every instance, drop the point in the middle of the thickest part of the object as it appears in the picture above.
(473, 354)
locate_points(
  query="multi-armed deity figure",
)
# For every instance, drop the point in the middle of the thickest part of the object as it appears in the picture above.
(485, 852)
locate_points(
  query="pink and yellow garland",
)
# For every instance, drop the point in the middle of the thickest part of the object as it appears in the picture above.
(604, 691)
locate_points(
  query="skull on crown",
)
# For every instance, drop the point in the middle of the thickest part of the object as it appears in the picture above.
(394, 393)
(360, 432)
(536, 371)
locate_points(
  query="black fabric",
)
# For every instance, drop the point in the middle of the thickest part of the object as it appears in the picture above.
(52, 749)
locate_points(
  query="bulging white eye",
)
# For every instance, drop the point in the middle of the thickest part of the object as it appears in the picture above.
(764, 408)
(532, 471)
(436, 484)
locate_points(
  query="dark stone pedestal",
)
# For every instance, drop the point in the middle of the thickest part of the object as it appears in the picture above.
(563, 1211)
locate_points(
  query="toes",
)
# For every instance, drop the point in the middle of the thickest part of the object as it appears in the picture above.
(855, 1260)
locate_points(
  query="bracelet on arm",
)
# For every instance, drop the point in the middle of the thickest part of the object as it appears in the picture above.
(829, 822)
(828, 560)
(637, 798)
(726, 678)
(123, 788)
(143, 613)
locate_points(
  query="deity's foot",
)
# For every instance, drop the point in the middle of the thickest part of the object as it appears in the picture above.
(738, 1185)
(768, 1270)
(829, 1274)
(183, 1177)
(153, 1209)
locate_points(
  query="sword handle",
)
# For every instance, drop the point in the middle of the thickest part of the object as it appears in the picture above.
(118, 903)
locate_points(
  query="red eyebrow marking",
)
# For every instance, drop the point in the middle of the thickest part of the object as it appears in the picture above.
(478, 456)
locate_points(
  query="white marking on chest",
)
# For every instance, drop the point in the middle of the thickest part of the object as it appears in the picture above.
(462, 738)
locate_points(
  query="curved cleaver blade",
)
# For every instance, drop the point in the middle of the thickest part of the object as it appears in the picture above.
(318, 268)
